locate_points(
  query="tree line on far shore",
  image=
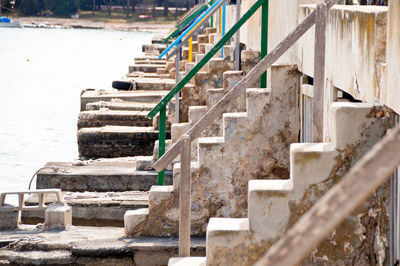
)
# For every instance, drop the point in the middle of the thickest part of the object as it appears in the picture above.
(64, 8)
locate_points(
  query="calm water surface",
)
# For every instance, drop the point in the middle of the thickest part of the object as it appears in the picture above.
(42, 72)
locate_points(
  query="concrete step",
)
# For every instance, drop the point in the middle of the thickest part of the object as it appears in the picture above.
(106, 117)
(223, 234)
(116, 141)
(148, 68)
(149, 84)
(91, 246)
(210, 30)
(235, 126)
(202, 38)
(91, 96)
(256, 101)
(119, 174)
(120, 106)
(192, 261)
(92, 208)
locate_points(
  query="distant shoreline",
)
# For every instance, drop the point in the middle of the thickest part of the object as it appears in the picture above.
(149, 26)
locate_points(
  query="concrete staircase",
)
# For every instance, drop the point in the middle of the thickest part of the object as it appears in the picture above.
(253, 143)
(275, 205)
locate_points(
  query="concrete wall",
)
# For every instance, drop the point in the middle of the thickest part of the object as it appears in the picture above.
(391, 96)
(355, 49)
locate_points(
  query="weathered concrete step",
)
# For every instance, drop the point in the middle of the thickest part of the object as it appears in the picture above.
(149, 68)
(113, 118)
(116, 141)
(84, 245)
(140, 74)
(120, 105)
(192, 261)
(92, 208)
(148, 84)
(224, 234)
(106, 175)
(91, 96)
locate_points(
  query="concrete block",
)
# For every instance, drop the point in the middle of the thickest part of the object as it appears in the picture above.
(58, 216)
(134, 218)
(9, 220)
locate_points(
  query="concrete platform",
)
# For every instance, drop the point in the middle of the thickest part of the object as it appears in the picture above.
(89, 246)
(149, 68)
(92, 208)
(120, 105)
(106, 117)
(116, 141)
(150, 84)
(103, 175)
(91, 96)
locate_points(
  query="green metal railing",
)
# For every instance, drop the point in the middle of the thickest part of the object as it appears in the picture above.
(161, 106)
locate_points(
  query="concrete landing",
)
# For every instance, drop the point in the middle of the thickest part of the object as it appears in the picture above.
(116, 141)
(106, 117)
(92, 208)
(89, 246)
(103, 175)
(120, 105)
(90, 96)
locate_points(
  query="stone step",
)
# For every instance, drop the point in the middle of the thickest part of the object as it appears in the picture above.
(202, 38)
(102, 175)
(223, 234)
(92, 208)
(149, 84)
(116, 141)
(91, 96)
(148, 68)
(106, 117)
(120, 106)
(91, 246)
(210, 30)
(185, 261)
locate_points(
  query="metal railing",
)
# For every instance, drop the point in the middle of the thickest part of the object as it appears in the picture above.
(187, 20)
(161, 106)
(183, 144)
(195, 24)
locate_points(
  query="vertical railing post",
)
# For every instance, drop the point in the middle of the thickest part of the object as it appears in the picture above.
(237, 47)
(177, 79)
(264, 40)
(184, 198)
(190, 50)
(319, 72)
(223, 19)
(161, 142)
(212, 17)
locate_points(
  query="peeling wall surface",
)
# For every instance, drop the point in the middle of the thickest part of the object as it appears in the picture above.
(355, 47)
(392, 95)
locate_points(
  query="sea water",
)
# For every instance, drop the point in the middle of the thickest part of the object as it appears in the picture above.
(42, 73)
